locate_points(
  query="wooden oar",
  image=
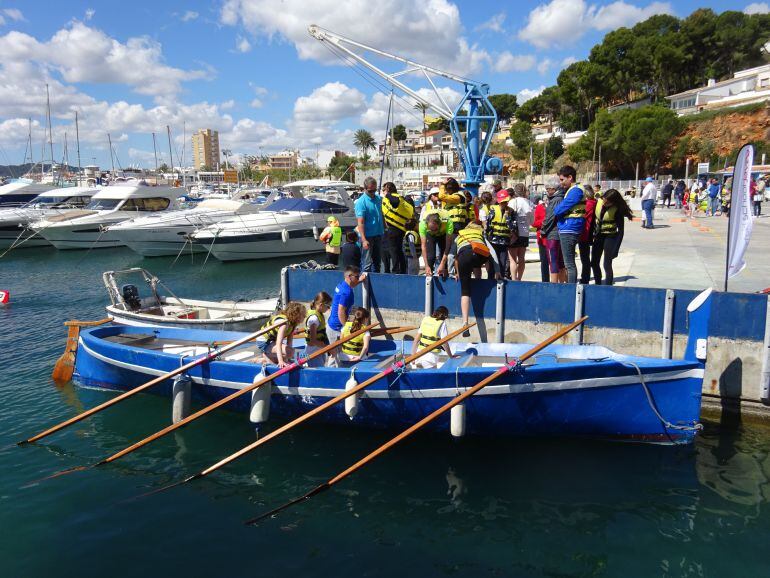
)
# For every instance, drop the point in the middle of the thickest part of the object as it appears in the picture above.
(375, 333)
(65, 365)
(209, 408)
(323, 407)
(177, 371)
(424, 421)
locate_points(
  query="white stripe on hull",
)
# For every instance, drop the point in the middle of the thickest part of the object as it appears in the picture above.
(448, 392)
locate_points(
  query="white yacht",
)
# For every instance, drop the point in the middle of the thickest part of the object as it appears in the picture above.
(14, 222)
(168, 233)
(87, 228)
(20, 191)
(287, 227)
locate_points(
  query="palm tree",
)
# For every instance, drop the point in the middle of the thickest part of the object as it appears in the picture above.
(363, 140)
(423, 108)
(227, 153)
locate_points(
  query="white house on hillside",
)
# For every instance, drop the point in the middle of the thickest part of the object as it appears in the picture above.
(746, 87)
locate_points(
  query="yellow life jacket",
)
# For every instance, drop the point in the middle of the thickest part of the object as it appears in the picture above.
(472, 235)
(498, 225)
(415, 238)
(606, 222)
(578, 211)
(429, 329)
(272, 335)
(353, 346)
(320, 330)
(399, 216)
(336, 239)
(457, 209)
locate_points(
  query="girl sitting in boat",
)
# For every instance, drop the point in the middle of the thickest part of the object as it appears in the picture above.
(274, 350)
(315, 326)
(432, 329)
(357, 348)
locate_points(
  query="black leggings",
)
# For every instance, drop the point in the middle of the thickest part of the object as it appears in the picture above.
(609, 246)
(584, 249)
(467, 261)
(392, 251)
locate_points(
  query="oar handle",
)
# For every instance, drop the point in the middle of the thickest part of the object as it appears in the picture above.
(335, 400)
(177, 371)
(234, 395)
(76, 323)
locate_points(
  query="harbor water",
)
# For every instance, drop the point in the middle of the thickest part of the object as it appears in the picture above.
(433, 506)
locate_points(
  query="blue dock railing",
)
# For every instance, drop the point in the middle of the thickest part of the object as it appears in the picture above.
(738, 320)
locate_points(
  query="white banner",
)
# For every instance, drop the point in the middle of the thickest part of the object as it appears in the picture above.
(740, 212)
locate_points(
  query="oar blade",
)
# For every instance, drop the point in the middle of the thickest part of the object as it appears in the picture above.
(275, 511)
(64, 368)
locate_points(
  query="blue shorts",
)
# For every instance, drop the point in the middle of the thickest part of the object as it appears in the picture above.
(265, 346)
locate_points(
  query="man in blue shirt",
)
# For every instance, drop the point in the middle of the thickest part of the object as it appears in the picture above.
(713, 190)
(570, 218)
(370, 226)
(342, 301)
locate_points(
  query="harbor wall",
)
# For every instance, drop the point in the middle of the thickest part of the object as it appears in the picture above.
(630, 320)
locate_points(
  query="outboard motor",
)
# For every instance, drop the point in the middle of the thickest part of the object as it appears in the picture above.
(131, 297)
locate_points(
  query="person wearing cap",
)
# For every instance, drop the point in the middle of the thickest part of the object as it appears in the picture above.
(432, 205)
(397, 212)
(331, 236)
(649, 196)
(500, 228)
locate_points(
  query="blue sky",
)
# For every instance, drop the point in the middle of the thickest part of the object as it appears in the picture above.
(249, 69)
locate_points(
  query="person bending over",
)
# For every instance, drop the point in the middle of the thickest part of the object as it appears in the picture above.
(277, 346)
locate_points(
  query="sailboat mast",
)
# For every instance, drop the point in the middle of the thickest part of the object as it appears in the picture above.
(50, 130)
(112, 160)
(184, 150)
(170, 154)
(77, 140)
(155, 150)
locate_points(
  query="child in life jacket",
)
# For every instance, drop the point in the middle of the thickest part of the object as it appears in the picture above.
(412, 248)
(357, 348)
(315, 328)
(431, 330)
(277, 346)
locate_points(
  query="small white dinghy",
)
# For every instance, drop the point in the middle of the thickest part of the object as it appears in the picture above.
(129, 308)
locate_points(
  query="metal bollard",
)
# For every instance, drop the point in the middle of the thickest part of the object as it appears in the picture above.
(428, 296)
(500, 313)
(668, 325)
(579, 299)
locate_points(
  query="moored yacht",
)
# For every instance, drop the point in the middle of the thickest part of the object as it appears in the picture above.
(287, 227)
(168, 233)
(87, 228)
(14, 222)
(21, 191)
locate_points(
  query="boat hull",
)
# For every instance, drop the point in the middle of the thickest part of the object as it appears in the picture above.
(165, 241)
(598, 398)
(11, 235)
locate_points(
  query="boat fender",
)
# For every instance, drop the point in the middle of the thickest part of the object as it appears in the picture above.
(285, 235)
(181, 396)
(5, 297)
(315, 232)
(260, 400)
(457, 420)
(351, 403)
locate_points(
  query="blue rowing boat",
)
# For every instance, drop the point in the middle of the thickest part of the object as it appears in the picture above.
(566, 390)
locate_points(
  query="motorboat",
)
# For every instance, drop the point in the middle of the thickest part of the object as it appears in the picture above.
(88, 227)
(289, 226)
(585, 391)
(14, 222)
(17, 192)
(168, 233)
(129, 307)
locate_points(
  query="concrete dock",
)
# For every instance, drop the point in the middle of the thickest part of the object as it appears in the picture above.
(683, 253)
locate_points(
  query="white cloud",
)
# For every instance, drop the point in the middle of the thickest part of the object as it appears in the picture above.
(507, 62)
(568, 60)
(84, 54)
(544, 65)
(242, 44)
(524, 95)
(430, 32)
(89, 14)
(561, 22)
(189, 15)
(494, 24)
(757, 8)
(375, 117)
(14, 14)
